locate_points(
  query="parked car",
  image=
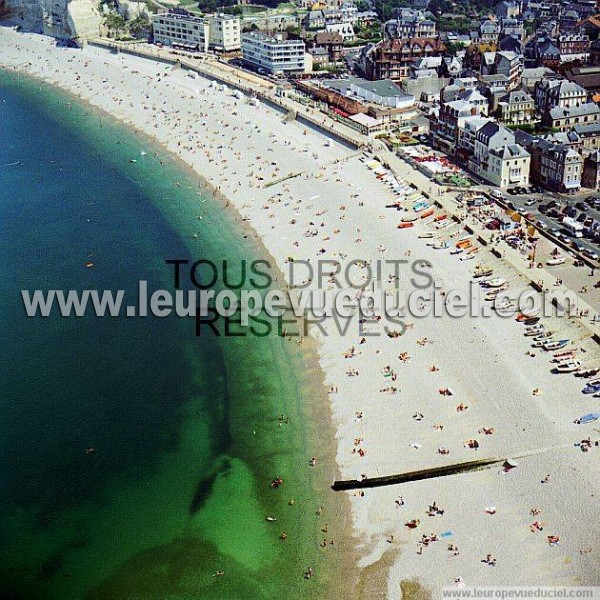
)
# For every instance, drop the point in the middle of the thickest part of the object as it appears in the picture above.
(530, 202)
(541, 224)
(553, 213)
(512, 191)
(578, 246)
(543, 208)
(582, 206)
(590, 254)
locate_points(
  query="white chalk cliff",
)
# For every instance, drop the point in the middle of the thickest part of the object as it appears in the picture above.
(66, 19)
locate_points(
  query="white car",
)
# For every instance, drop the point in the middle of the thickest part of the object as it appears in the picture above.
(530, 202)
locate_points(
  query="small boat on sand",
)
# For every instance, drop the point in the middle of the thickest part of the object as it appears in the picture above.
(494, 283)
(426, 236)
(557, 260)
(569, 367)
(544, 335)
(409, 218)
(406, 225)
(564, 355)
(592, 388)
(531, 321)
(555, 345)
(522, 317)
(533, 331)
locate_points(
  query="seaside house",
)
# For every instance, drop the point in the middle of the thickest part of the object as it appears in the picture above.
(498, 158)
(516, 108)
(446, 126)
(554, 166)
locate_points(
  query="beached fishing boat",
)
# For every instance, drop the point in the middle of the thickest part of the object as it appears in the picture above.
(427, 213)
(494, 283)
(523, 317)
(406, 225)
(506, 304)
(585, 373)
(555, 345)
(543, 336)
(533, 331)
(563, 355)
(482, 273)
(409, 218)
(426, 236)
(440, 245)
(469, 257)
(568, 367)
(531, 321)
(592, 388)
(558, 260)
(420, 206)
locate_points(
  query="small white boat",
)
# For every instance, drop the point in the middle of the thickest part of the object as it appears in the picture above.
(557, 260)
(426, 236)
(535, 330)
(495, 283)
(440, 245)
(555, 345)
(569, 367)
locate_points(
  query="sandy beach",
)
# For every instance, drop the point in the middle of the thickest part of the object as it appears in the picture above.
(386, 404)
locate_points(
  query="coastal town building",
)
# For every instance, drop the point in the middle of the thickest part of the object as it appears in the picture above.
(573, 47)
(489, 31)
(591, 171)
(516, 108)
(368, 106)
(410, 24)
(392, 59)
(179, 28)
(446, 126)
(587, 77)
(273, 54)
(562, 93)
(508, 10)
(346, 30)
(332, 43)
(566, 118)
(588, 135)
(554, 166)
(498, 158)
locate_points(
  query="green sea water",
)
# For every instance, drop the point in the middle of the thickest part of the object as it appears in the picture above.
(184, 429)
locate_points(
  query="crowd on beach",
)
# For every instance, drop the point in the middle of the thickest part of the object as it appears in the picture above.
(440, 391)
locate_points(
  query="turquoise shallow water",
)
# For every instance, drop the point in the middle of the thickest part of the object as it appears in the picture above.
(185, 429)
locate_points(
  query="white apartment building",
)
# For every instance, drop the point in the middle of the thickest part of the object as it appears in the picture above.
(273, 55)
(181, 29)
(498, 158)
